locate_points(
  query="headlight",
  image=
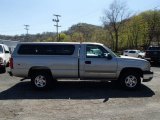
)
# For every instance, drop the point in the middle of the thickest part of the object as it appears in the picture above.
(147, 66)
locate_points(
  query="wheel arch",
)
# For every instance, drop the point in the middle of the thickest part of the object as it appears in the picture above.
(39, 68)
(124, 70)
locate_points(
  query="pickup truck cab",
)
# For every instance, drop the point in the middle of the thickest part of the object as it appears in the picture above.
(45, 62)
(4, 57)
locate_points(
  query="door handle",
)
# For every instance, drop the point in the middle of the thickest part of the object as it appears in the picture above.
(87, 62)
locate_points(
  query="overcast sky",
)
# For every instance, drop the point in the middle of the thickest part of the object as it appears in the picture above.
(39, 13)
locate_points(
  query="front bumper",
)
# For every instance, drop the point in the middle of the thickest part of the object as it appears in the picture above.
(147, 76)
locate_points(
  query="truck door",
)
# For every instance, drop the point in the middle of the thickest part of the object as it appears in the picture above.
(96, 65)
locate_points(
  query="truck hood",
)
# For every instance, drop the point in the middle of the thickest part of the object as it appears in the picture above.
(125, 61)
(130, 58)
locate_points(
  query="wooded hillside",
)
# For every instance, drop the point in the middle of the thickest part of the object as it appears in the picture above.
(137, 31)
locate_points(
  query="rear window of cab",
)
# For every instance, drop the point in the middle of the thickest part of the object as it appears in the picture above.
(46, 49)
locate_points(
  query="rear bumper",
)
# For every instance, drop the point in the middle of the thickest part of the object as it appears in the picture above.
(147, 76)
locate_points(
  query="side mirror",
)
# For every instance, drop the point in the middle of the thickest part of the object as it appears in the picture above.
(108, 56)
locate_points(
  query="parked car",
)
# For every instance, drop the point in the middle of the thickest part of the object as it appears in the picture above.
(153, 54)
(46, 62)
(4, 57)
(134, 53)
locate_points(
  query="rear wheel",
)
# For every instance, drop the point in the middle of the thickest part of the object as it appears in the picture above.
(130, 80)
(41, 80)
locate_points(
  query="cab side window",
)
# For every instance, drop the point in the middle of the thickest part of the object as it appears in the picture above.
(45, 49)
(95, 51)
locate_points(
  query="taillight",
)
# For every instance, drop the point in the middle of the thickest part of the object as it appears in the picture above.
(11, 63)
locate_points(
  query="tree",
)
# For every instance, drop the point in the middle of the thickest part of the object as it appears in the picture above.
(153, 20)
(134, 31)
(113, 18)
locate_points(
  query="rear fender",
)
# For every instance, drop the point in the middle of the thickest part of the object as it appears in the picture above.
(38, 68)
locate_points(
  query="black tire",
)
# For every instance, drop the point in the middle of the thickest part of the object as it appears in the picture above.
(41, 80)
(130, 80)
(140, 56)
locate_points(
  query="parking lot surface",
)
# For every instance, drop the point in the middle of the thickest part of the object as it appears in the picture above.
(76, 100)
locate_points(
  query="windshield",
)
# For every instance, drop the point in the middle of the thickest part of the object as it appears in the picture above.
(1, 49)
(110, 51)
(154, 48)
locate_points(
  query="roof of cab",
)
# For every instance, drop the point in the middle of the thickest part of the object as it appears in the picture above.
(60, 43)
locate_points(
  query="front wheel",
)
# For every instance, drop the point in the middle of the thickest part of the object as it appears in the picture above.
(41, 80)
(130, 80)
(140, 56)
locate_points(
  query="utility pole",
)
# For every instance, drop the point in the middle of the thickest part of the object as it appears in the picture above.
(57, 26)
(27, 29)
(79, 29)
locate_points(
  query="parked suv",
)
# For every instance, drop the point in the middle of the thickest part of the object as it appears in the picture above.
(153, 54)
(4, 57)
(46, 62)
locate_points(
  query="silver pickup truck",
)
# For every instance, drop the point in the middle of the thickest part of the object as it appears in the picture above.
(46, 62)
